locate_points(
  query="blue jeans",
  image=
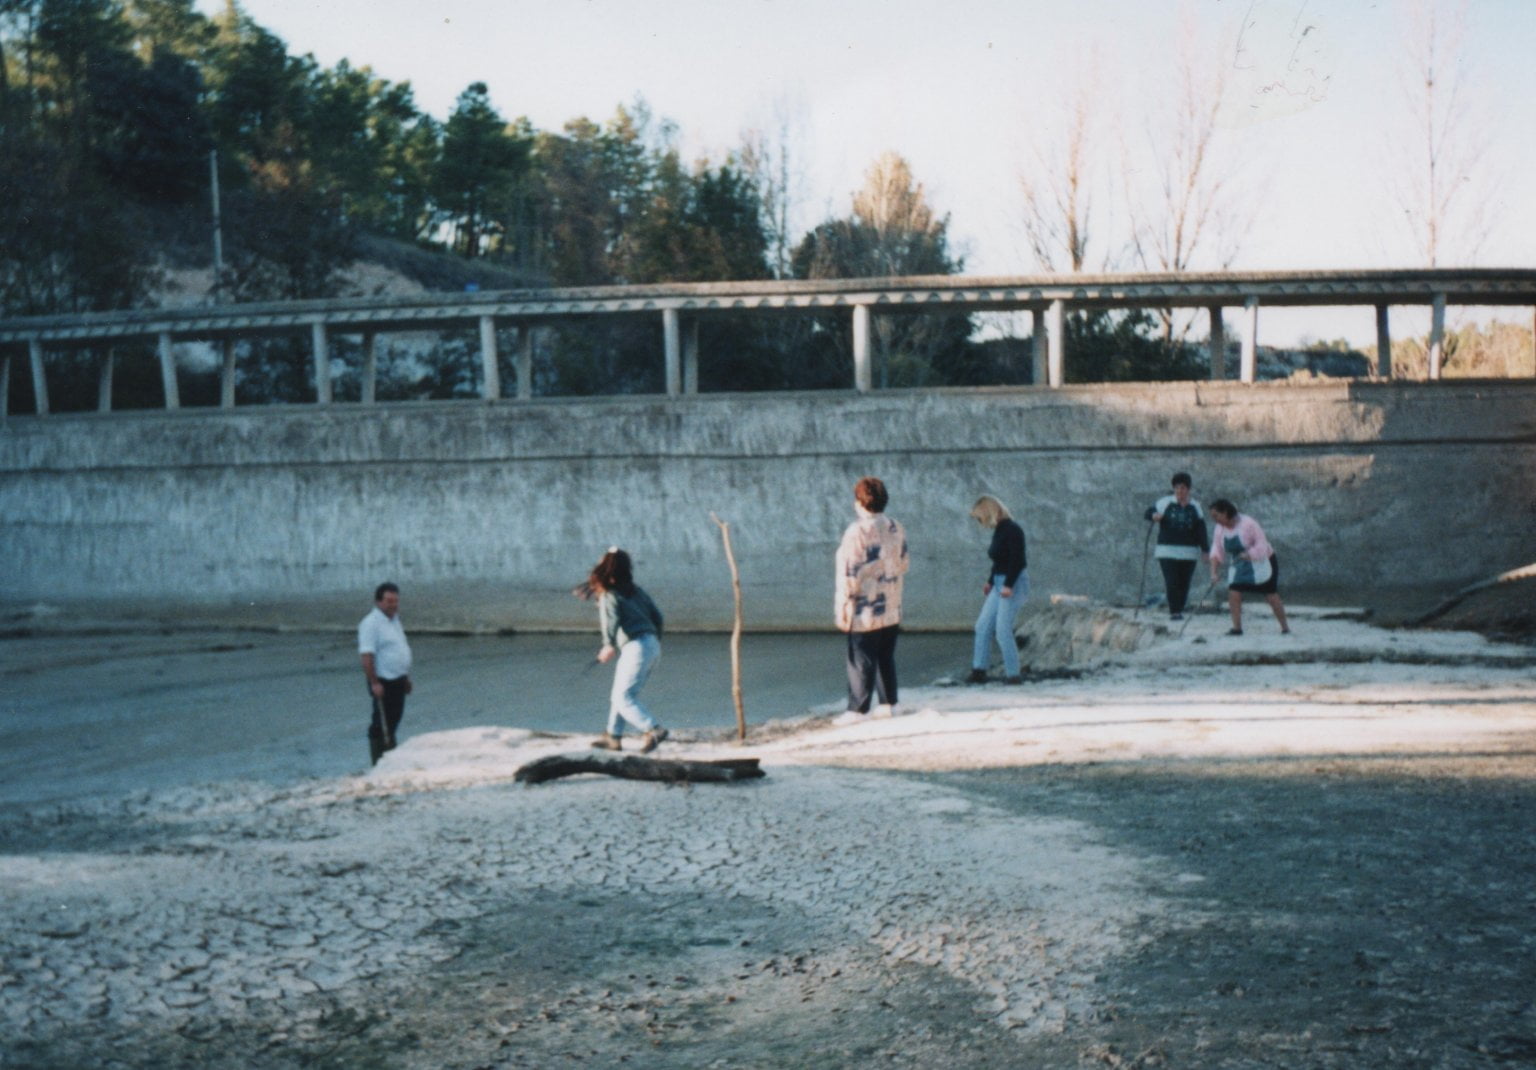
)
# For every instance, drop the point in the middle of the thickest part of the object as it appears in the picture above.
(636, 659)
(996, 624)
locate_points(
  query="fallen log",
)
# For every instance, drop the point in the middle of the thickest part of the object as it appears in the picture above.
(1524, 573)
(634, 767)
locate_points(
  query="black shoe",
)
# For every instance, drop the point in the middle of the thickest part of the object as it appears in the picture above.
(1013, 679)
(978, 676)
(1175, 616)
(1234, 631)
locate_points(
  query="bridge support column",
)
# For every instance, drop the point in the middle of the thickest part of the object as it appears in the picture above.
(1056, 337)
(322, 354)
(370, 385)
(691, 356)
(5, 387)
(1437, 337)
(524, 361)
(862, 381)
(1250, 360)
(227, 374)
(1041, 371)
(168, 371)
(104, 380)
(672, 344)
(1217, 344)
(490, 382)
(39, 377)
(1383, 342)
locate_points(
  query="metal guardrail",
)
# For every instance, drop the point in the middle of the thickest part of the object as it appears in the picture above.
(681, 305)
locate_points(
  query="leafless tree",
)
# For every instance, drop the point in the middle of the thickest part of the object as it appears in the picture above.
(772, 158)
(1061, 183)
(1190, 210)
(1440, 178)
(893, 206)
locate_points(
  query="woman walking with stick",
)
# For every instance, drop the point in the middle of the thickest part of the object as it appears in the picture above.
(1253, 564)
(1182, 541)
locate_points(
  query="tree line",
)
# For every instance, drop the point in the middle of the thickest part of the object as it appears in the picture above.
(111, 111)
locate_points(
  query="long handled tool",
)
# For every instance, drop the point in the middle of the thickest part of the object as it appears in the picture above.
(1198, 605)
(1141, 588)
(385, 735)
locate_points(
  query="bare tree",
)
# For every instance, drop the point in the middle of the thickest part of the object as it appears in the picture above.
(1440, 180)
(772, 161)
(1060, 185)
(1192, 210)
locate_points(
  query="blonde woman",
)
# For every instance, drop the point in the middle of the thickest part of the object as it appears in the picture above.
(1006, 589)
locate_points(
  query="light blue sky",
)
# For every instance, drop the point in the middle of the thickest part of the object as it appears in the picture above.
(964, 89)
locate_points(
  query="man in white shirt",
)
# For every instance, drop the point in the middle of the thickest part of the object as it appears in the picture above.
(386, 658)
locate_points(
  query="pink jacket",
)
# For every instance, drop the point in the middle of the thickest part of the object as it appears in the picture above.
(1248, 532)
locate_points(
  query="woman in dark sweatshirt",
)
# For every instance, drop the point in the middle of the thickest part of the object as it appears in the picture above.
(631, 626)
(1182, 541)
(1006, 589)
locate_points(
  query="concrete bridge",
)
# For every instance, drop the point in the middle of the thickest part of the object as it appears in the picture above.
(681, 306)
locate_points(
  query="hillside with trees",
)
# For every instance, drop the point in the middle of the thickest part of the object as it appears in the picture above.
(118, 118)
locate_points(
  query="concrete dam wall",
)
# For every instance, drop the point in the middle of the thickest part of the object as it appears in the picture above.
(487, 513)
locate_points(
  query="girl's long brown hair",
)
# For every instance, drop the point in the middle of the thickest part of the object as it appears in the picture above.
(615, 572)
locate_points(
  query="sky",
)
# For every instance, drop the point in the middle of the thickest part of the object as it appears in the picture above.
(973, 91)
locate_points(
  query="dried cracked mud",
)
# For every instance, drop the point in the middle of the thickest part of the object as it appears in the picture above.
(1258, 913)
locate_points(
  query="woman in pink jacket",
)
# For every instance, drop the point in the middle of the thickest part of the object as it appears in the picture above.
(1251, 562)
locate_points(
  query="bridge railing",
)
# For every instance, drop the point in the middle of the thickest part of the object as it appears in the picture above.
(682, 306)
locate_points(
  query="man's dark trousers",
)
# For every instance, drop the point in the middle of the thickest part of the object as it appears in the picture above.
(384, 717)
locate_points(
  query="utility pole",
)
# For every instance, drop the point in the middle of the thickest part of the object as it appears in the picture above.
(218, 231)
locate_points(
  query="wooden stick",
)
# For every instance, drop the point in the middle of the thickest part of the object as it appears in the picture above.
(634, 767)
(730, 557)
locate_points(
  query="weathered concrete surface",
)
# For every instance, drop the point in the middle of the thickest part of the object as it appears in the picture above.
(488, 513)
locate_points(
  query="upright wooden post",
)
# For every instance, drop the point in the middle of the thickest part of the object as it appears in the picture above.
(1250, 359)
(1056, 335)
(104, 380)
(168, 371)
(322, 354)
(691, 356)
(730, 559)
(5, 387)
(1218, 344)
(1041, 372)
(672, 343)
(227, 374)
(490, 383)
(370, 385)
(1437, 336)
(1383, 342)
(525, 361)
(39, 377)
(862, 380)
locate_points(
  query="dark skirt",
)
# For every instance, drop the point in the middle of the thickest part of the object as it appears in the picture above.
(1269, 586)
